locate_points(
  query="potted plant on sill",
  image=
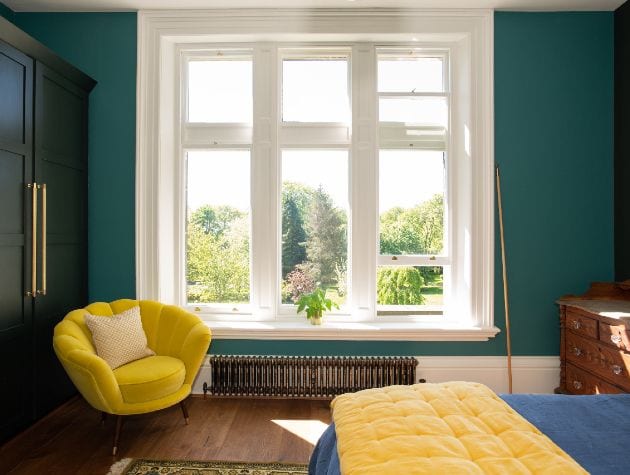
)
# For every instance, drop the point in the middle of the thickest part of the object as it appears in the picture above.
(315, 304)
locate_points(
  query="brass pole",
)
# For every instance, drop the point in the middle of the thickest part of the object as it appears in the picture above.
(505, 285)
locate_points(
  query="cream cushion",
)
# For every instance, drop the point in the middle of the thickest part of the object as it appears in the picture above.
(119, 339)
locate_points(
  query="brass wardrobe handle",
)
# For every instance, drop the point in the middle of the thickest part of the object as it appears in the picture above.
(44, 259)
(33, 291)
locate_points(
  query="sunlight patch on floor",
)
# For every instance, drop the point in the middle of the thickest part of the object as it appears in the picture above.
(307, 429)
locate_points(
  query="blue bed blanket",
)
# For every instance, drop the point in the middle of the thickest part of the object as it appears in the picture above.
(594, 430)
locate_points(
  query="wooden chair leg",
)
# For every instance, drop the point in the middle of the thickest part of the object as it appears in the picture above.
(182, 404)
(117, 434)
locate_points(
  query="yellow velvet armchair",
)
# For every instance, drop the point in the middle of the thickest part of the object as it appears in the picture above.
(179, 339)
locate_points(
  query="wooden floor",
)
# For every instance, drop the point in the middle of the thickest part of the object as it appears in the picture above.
(71, 440)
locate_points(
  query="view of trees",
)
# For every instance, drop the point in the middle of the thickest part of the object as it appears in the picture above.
(418, 230)
(217, 255)
(314, 243)
(314, 249)
(399, 286)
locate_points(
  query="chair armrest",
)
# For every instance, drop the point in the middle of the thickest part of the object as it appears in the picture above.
(183, 335)
(194, 350)
(90, 373)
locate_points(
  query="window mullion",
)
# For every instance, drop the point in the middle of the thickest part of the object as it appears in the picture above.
(364, 182)
(265, 183)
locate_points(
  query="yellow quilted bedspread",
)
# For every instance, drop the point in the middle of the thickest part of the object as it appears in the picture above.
(449, 428)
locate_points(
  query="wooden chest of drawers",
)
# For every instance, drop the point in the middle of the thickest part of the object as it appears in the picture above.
(594, 345)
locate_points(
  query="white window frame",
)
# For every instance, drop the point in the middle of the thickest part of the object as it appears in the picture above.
(312, 136)
(163, 36)
(397, 136)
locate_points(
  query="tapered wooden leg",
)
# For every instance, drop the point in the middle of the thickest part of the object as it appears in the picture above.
(182, 404)
(117, 434)
(103, 417)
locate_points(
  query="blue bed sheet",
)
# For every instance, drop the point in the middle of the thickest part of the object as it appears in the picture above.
(594, 430)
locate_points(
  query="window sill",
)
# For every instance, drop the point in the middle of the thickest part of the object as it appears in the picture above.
(302, 330)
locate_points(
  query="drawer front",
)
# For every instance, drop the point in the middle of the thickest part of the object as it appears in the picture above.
(583, 352)
(614, 367)
(615, 335)
(605, 361)
(580, 324)
(581, 382)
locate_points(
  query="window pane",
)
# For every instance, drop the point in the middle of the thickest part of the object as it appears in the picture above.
(314, 223)
(410, 290)
(315, 90)
(220, 91)
(411, 202)
(218, 226)
(410, 75)
(414, 110)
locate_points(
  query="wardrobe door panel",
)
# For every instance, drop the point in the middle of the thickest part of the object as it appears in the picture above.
(65, 211)
(14, 69)
(15, 307)
(62, 108)
(16, 171)
(16, 410)
(12, 190)
(60, 164)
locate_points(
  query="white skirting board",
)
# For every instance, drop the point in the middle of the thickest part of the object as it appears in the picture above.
(530, 374)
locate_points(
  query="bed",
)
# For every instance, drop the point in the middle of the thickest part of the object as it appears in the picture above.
(594, 430)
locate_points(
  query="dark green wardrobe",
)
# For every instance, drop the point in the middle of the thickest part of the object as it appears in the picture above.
(43, 221)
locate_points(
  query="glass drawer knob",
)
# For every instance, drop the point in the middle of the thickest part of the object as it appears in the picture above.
(577, 351)
(616, 369)
(616, 339)
(576, 324)
(577, 384)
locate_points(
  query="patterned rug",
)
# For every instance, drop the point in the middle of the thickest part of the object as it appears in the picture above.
(193, 467)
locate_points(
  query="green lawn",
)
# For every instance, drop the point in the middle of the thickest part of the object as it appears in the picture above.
(432, 291)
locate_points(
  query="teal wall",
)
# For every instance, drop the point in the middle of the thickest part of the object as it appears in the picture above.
(6, 12)
(554, 145)
(103, 45)
(554, 137)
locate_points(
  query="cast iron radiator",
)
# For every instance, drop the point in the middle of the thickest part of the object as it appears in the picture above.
(304, 377)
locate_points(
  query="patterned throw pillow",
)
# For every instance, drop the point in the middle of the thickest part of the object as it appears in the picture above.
(119, 339)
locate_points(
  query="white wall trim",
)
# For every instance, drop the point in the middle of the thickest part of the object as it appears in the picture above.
(530, 374)
(355, 331)
(149, 167)
(134, 5)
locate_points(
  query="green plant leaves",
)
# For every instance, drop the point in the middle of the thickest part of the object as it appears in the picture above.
(315, 303)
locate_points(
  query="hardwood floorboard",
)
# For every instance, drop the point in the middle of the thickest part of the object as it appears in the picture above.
(292, 448)
(71, 440)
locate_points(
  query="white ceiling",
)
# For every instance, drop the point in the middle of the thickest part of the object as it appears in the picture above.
(132, 5)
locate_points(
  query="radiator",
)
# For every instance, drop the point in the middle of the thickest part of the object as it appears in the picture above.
(304, 377)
